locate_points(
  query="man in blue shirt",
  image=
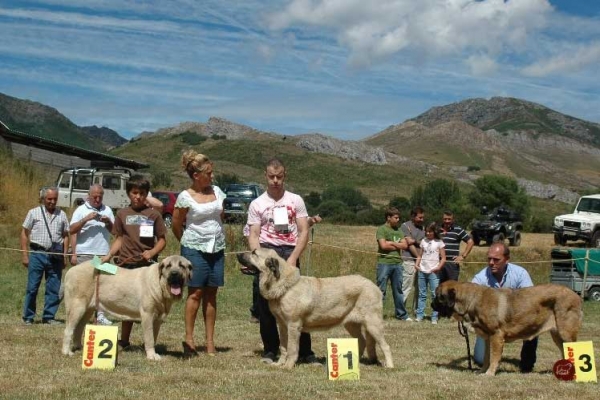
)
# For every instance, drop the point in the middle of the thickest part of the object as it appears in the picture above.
(500, 273)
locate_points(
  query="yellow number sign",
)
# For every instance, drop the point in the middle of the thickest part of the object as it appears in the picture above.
(581, 355)
(100, 347)
(342, 359)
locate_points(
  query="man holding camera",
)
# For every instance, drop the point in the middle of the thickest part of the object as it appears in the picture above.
(90, 229)
(44, 241)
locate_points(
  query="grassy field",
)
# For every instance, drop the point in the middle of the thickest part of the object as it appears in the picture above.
(430, 361)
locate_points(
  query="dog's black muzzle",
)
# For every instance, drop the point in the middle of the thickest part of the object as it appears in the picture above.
(443, 309)
(176, 278)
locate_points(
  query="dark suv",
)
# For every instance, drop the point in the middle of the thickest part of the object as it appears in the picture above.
(497, 226)
(168, 199)
(239, 196)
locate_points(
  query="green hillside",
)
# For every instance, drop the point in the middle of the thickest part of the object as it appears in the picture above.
(37, 119)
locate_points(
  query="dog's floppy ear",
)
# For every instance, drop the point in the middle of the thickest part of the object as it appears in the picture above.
(451, 297)
(162, 265)
(273, 265)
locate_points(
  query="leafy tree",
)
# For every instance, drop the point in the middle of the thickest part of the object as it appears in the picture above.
(352, 198)
(225, 179)
(328, 209)
(191, 138)
(312, 200)
(374, 216)
(402, 204)
(496, 190)
(161, 179)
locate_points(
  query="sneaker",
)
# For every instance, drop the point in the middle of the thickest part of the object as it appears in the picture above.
(434, 321)
(51, 322)
(419, 320)
(27, 322)
(102, 320)
(268, 358)
(409, 319)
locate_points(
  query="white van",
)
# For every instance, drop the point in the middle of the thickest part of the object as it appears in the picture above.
(74, 183)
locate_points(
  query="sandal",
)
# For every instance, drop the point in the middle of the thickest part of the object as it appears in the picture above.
(188, 351)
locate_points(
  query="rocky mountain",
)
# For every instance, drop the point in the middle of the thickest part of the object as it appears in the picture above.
(502, 136)
(552, 155)
(214, 126)
(41, 120)
(105, 135)
(505, 114)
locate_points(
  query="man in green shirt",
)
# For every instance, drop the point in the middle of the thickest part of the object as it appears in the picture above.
(391, 242)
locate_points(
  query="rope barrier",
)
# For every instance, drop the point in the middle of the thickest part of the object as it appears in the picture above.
(310, 243)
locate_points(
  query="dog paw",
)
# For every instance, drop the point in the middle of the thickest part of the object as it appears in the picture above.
(153, 357)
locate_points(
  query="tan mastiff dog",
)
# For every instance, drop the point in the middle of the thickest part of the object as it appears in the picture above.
(143, 294)
(304, 304)
(506, 315)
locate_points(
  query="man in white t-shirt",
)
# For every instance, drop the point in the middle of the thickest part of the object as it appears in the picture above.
(90, 229)
(278, 220)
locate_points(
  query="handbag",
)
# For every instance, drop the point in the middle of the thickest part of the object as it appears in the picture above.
(54, 247)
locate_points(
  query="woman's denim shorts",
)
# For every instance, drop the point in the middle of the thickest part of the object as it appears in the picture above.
(208, 268)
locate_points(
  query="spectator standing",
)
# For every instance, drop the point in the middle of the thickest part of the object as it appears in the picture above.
(278, 220)
(452, 235)
(412, 228)
(432, 257)
(45, 231)
(200, 208)
(90, 229)
(391, 242)
(499, 273)
(140, 235)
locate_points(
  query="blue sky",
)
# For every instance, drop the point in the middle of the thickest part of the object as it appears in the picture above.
(345, 68)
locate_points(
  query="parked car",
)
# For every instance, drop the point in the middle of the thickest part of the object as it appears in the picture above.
(238, 199)
(168, 199)
(496, 226)
(74, 184)
(582, 224)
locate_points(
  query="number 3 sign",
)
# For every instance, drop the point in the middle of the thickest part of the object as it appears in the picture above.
(100, 347)
(581, 355)
(342, 359)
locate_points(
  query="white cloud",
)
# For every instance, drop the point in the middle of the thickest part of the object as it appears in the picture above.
(568, 62)
(482, 65)
(375, 31)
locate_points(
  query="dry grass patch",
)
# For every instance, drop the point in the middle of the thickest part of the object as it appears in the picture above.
(430, 360)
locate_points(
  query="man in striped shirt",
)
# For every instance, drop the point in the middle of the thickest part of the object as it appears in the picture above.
(452, 236)
(45, 232)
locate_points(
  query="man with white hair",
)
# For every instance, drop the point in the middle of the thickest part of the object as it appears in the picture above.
(90, 229)
(44, 243)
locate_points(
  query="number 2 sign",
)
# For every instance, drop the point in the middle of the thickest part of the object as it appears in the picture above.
(99, 347)
(342, 359)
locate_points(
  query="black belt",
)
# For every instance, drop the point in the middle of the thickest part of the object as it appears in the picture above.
(37, 247)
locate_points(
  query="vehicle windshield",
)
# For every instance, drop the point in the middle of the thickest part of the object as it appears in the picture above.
(589, 205)
(238, 191)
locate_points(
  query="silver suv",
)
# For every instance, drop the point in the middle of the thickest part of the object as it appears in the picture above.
(583, 224)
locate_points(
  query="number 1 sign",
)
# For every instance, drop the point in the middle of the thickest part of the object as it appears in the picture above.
(342, 359)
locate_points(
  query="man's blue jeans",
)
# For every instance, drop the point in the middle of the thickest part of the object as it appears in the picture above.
(431, 280)
(393, 272)
(40, 265)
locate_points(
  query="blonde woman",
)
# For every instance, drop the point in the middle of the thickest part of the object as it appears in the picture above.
(200, 209)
